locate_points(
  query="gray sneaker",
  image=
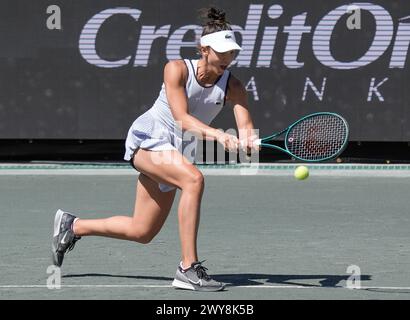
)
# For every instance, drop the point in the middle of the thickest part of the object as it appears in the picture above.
(195, 278)
(63, 236)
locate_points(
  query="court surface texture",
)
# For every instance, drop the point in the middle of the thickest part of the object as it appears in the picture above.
(341, 234)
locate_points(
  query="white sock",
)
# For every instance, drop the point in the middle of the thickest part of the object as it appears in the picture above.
(72, 226)
(182, 267)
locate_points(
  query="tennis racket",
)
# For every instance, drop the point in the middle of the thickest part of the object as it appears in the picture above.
(316, 137)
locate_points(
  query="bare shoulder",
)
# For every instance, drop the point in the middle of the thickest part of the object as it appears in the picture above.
(176, 69)
(177, 64)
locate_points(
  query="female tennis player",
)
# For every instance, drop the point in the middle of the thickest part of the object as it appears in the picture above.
(193, 93)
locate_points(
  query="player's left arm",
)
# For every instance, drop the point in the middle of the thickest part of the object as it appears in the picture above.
(237, 96)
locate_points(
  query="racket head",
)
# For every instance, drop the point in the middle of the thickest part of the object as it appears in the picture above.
(317, 137)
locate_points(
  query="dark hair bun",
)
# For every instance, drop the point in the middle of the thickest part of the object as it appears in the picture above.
(213, 20)
(216, 15)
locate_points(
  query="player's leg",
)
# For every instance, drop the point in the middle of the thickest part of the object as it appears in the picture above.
(150, 212)
(177, 171)
(172, 168)
(152, 207)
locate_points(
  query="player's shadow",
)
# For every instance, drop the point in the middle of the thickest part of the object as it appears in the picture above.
(250, 279)
(106, 275)
(315, 280)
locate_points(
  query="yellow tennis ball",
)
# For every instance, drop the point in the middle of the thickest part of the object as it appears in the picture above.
(301, 172)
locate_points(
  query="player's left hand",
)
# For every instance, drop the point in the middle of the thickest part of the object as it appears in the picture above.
(248, 144)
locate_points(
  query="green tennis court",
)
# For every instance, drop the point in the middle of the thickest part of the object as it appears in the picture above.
(264, 233)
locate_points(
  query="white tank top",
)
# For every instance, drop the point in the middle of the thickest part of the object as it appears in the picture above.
(204, 103)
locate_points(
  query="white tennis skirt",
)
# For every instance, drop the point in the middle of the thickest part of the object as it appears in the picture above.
(151, 134)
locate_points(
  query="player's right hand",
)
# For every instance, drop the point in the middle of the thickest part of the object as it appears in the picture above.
(230, 142)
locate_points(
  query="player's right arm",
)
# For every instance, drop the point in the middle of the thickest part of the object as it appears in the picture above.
(175, 75)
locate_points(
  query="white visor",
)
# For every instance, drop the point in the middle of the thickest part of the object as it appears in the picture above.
(221, 41)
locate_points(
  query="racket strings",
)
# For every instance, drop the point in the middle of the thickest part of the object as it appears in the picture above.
(318, 137)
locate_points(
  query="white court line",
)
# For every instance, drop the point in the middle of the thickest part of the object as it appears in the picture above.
(213, 172)
(170, 286)
(395, 171)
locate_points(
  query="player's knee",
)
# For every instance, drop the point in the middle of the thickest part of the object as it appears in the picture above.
(198, 179)
(195, 180)
(139, 236)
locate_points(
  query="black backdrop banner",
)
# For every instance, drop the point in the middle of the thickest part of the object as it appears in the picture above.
(89, 74)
